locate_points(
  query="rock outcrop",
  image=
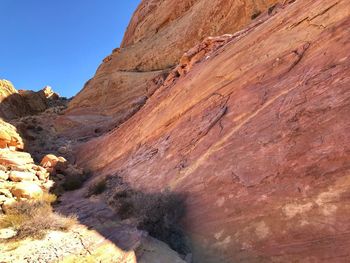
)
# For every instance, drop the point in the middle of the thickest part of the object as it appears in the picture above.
(15, 104)
(158, 35)
(9, 136)
(253, 130)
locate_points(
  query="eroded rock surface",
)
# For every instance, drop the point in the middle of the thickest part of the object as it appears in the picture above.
(249, 127)
(255, 135)
(158, 35)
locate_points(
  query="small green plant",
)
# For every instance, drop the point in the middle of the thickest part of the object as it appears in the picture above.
(256, 14)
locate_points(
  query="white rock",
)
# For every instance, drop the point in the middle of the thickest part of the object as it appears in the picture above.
(17, 176)
(28, 190)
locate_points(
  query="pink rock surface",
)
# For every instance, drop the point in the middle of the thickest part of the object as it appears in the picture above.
(255, 135)
(158, 35)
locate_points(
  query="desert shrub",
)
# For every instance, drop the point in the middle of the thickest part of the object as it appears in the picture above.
(157, 213)
(97, 188)
(32, 219)
(73, 182)
(48, 198)
(256, 14)
(160, 216)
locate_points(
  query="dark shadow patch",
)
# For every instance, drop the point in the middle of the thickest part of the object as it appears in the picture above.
(159, 214)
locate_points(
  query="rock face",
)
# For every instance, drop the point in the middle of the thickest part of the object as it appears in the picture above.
(9, 136)
(15, 104)
(254, 131)
(158, 35)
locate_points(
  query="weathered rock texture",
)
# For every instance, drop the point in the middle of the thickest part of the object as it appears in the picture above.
(255, 134)
(159, 33)
(106, 239)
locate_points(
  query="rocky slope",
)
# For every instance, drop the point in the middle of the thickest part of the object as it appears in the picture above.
(159, 33)
(251, 127)
(90, 233)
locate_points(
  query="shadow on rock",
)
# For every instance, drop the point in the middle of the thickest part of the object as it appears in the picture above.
(124, 215)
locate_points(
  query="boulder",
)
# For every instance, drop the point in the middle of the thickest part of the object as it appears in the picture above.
(28, 190)
(17, 176)
(48, 185)
(8, 158)
(35, 101)
(7, 233)
(49, 93)
(6, 193)
(42, 175)
(49, 161)
(9, 136)
(6, 184)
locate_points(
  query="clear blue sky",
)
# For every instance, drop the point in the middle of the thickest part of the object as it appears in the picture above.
(59, 42)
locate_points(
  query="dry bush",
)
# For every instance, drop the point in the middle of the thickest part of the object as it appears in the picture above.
(97, 188)
(32, 219)
(157, 213)
(73, 182)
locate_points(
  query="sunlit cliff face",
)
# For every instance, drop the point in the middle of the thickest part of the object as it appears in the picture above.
(217, 132)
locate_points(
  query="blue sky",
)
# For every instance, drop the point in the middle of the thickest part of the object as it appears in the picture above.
(59, 42)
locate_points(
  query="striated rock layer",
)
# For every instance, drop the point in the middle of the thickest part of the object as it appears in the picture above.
(255, 133)
(159, 33)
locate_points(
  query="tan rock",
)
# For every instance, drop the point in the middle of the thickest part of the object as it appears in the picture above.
(22, 168)
(6, 184)
(17, 176)
(28, 190)
(4, 175)
(41, 169)
(7, 233)
(49, 93)
(4, 136)
(14, 158)
(48, 185)
(8, 204)
(42, 175)
(9, 136)
(49, 161)
(6, 193)
(3, 198)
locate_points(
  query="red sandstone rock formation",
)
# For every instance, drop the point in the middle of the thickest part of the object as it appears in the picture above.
(255, 133)
(158, 35)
